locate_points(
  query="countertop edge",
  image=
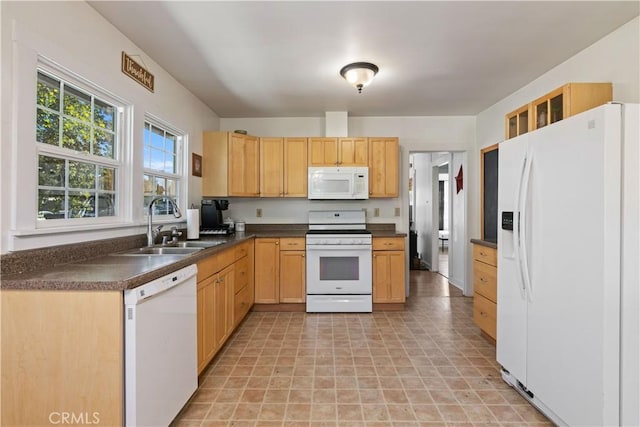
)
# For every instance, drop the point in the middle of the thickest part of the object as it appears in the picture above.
(486, 243)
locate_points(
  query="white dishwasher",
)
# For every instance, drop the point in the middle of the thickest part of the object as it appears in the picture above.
(160, 348)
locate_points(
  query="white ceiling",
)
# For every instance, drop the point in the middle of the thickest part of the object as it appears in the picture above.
(281, 59)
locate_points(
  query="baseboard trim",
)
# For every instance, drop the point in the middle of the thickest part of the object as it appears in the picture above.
(290, 307)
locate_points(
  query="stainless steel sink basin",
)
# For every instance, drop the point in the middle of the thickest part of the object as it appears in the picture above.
(200, 243)
(164, 250)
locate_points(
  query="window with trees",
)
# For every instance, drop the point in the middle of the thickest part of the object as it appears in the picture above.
(78, 157)
(162, 165)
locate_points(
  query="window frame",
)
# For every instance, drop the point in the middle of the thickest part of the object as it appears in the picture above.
(119, 162)
(180, 177)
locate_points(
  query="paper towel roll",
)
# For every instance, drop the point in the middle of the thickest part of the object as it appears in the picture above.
(193, 223)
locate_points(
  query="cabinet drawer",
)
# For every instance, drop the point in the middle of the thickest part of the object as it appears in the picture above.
(242, 304)
(485, 280)
(208, 267)
(292, 244)
(242, 250)
(484, 314)
(388, 244)
(485, 254)
(241, 277)
(215, 263)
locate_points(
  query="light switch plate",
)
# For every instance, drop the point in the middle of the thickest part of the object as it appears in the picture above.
(397, 212)
(258, 213)
(376, 211)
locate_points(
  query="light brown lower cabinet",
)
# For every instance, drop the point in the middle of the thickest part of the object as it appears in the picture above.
(280, 270)
(293, 270)
(485, 289)
(243, 282)
(389, 275)
(62, 351)
(222, 303)
(267, 271)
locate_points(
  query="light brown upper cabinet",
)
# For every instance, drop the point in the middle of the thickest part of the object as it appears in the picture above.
(283, 167)
(563, 102)
(215, 151)
(244, 166)
(338, 151)
(383, 167)
(323, 151)
(518, 122)
(353, 152)
(569, 100)
(230, 164)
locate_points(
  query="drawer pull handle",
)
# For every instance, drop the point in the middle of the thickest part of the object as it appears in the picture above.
(483, 314)
(482, 279)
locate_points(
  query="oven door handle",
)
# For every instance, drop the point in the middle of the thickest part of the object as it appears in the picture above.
(363, 248)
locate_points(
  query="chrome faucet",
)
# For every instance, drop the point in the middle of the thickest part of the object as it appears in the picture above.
(151, 233)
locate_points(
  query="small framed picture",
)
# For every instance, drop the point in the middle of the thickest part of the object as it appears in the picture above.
(196, 164)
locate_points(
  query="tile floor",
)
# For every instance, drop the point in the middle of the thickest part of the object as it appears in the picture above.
(425, 366)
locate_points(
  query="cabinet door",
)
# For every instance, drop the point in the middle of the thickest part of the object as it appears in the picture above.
(397, 270)
(323, 151)
(388, 277)
(200, 326)
(353, 152)
(271, 167)
(267, 271)
(295, 167)
(292, 276)
(244, 167)
(215, 146)
(381, 277)
(383, 167)
(222, 316)
(206, 321)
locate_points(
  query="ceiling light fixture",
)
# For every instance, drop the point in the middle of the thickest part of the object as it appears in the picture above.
(359, 74)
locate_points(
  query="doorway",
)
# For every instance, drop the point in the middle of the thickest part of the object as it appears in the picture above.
(442, 226)
(437, 215)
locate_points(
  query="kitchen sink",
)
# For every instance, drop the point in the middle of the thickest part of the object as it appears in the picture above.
(164, 250)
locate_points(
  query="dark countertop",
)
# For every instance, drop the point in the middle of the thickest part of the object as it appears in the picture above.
(108, 269)
(488, 243)
(114, 272)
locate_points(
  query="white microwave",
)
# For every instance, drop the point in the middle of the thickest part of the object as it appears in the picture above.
(335, 183)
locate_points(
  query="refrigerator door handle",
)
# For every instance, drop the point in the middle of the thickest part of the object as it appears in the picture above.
(524, 259)
(516, 228)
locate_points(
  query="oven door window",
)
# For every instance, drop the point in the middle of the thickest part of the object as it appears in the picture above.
(339, 268)
(339, 271)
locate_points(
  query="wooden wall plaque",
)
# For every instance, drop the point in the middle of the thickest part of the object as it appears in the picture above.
(137, 72)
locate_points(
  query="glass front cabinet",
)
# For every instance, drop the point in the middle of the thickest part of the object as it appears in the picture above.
(563, 102)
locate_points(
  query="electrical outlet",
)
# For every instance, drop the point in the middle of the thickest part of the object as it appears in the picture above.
(397, 212)
(258, 213)
(376, 211)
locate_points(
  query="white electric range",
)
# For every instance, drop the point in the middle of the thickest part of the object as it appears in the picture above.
(339, 263)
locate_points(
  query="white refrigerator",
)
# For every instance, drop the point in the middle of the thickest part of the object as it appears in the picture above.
(568, 301)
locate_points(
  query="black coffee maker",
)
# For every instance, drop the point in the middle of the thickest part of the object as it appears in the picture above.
(211, 221)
